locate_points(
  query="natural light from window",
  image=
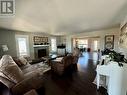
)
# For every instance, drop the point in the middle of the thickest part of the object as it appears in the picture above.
(53, 45)
(95, 45)
(82, 43)
(22, 45)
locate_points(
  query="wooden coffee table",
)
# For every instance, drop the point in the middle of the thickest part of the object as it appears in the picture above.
(49, 58)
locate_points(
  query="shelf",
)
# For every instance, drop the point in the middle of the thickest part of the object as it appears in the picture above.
(40, 46)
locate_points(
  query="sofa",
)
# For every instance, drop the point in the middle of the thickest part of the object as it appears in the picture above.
(20, 79)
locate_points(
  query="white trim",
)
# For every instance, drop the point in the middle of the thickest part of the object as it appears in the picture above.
(40, 45)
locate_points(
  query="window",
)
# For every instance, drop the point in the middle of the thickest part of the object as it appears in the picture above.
(22, 45)
(95, 45)
(53, 44)
(82, 43)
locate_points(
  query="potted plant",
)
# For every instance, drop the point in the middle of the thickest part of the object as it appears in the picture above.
(117, 57)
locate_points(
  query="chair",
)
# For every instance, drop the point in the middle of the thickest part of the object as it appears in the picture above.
(60, 65)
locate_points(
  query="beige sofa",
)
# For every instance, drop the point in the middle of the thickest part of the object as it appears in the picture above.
(22, 79)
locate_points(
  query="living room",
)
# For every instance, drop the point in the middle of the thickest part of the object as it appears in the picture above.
(45, 33)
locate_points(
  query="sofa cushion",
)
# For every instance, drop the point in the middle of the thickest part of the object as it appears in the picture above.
(13, 72)
(34, 82)
(76, 52)
(67, 60)
(6, 82)
(23, 60)
(31, 92)
(10, 69)
(18, 62)
(6, 60)
(75, 59)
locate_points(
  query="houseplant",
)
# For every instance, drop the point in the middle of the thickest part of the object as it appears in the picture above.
(117, 57)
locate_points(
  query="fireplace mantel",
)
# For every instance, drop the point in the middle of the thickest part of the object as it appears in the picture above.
(40, 46)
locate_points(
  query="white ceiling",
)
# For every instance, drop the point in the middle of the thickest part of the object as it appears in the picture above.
(60, 17)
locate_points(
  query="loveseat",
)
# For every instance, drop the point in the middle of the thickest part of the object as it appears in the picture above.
(21, 79)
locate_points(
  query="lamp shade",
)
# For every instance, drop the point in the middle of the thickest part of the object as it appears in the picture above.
(5, 48)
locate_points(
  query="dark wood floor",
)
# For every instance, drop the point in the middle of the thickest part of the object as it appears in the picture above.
(75, 83)
(4, 90)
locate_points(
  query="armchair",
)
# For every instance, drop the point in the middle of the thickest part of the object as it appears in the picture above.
(60, 65)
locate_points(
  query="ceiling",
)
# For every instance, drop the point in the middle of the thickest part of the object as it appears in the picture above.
(62, 17)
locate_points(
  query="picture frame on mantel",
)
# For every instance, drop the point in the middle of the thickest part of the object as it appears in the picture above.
(40, 40)
(109, 42)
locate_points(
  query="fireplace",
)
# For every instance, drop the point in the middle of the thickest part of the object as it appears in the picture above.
(41, 51)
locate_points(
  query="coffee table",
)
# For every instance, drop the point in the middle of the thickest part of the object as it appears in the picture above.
(49, 58)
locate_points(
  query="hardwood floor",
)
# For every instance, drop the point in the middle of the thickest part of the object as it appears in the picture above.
(72, 83)
(4, 90)
(75, 83)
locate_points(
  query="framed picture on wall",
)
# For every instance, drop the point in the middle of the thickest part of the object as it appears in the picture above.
(123, 36)
(109, 41)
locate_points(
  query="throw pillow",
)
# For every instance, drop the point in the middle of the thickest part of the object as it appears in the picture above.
(18, 62)
(23, 60)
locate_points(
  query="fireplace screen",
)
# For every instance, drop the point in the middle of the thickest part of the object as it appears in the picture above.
(41, 53)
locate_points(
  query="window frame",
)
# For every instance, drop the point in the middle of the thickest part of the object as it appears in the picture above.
(27, 44)
(83, 43)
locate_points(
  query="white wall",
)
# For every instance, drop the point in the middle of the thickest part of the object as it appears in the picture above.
(100, 33)
(123, 22)
(92, 43)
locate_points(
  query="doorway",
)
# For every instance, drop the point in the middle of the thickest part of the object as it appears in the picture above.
(95, 45)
